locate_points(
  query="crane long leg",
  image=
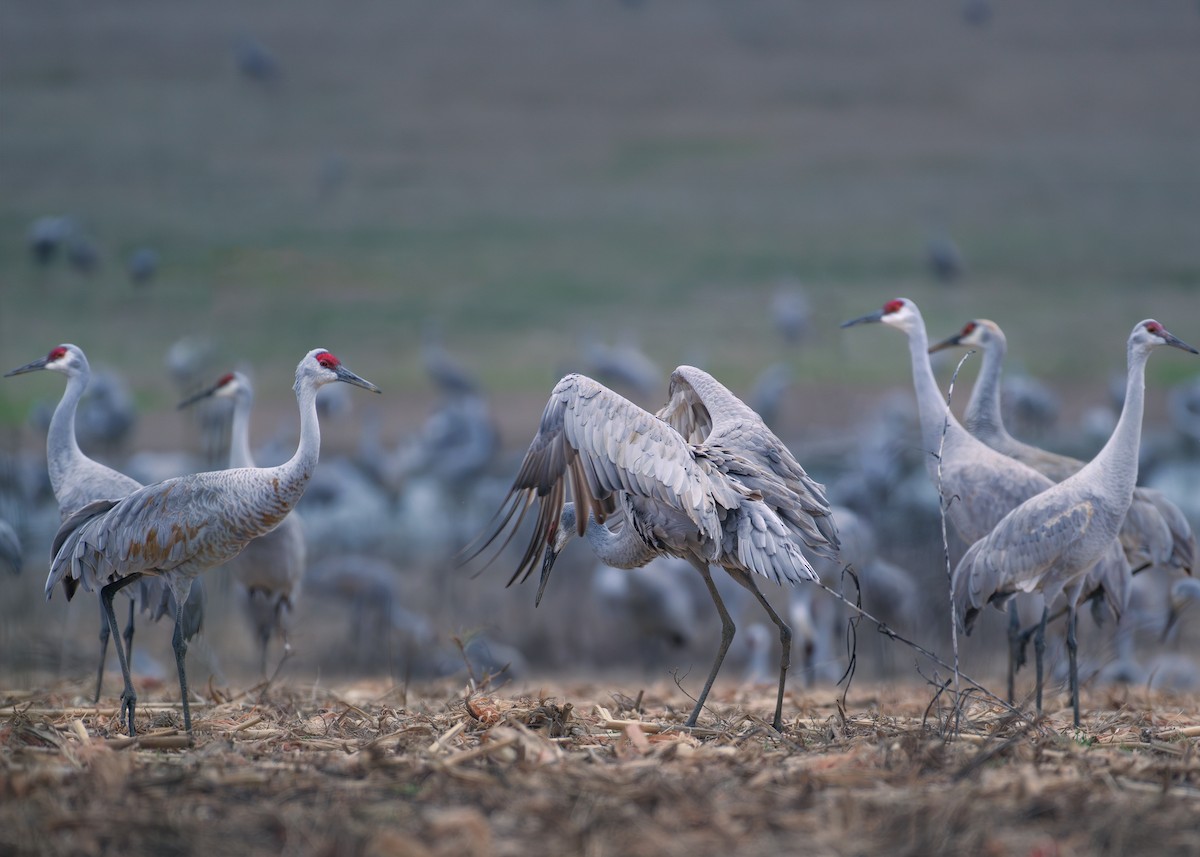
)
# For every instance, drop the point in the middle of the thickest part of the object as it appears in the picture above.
(129, 632)
(179, 644)
(1014, 647)
(785, 640)
(264, 643)
(727, 632)
(1039, 651)
(128, 696)
(104, 632)
(1072, 648)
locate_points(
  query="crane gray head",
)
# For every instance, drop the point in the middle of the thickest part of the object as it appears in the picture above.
(66, 358)
(1149, 334)
(901, 313)
(980, 332)
(555, 542)
(230, 385)
(319, 368)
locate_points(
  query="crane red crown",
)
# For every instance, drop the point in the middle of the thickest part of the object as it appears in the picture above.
(328, 360)
(892, 306)
(57, 353)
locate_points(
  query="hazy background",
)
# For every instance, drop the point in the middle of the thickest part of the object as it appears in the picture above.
(530, 174)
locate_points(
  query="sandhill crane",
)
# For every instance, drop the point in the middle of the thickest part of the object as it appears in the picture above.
(943, 258)
(78, 480)
(448, 374)
(623, 365)
(1155, 532)
(142, 266)
(10, 548)
(46, 236)
(1184, 593)
(180, 528)
(270, 568)
(1051, 541)
(704, 480)
(791, 312)
(984, 484)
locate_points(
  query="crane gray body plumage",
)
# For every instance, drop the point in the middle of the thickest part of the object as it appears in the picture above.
(78, 480)
(1155, 531)
(980, 488)
(270, 568)
(179, 528)
(704, 479)
(1053, 540)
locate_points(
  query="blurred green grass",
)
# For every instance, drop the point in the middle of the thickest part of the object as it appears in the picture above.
(529, 173)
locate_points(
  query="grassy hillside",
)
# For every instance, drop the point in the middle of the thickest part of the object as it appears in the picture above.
(529, 173)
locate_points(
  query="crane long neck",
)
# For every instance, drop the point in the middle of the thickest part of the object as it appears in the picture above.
(297, 470)
(62, 448)
(624, 549)
(1117, 462)
(239, 434)
(931, 406)
(983, 415)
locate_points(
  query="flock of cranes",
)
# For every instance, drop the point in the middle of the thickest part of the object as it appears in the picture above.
(703, 481)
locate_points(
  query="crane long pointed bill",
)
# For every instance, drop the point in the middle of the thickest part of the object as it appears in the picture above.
(344, 374)
(1172, 339)
(203, 394)
(547, 565)
(869, 317)
(948, 342)
(28, 367)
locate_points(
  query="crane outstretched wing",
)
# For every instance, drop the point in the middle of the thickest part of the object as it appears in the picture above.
(605, 443)
(727, 430)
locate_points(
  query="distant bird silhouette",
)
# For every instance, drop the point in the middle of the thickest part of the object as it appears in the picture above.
(254, 61)
(142, 266)
(791, 312)
(943, 258)
(46, 238)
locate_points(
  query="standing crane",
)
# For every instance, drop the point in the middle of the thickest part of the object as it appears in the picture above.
(704, 479)
(178, 529)
(984, 484)
(78, 480)
(1051, 541)
(1155, 532)
(270, 568)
